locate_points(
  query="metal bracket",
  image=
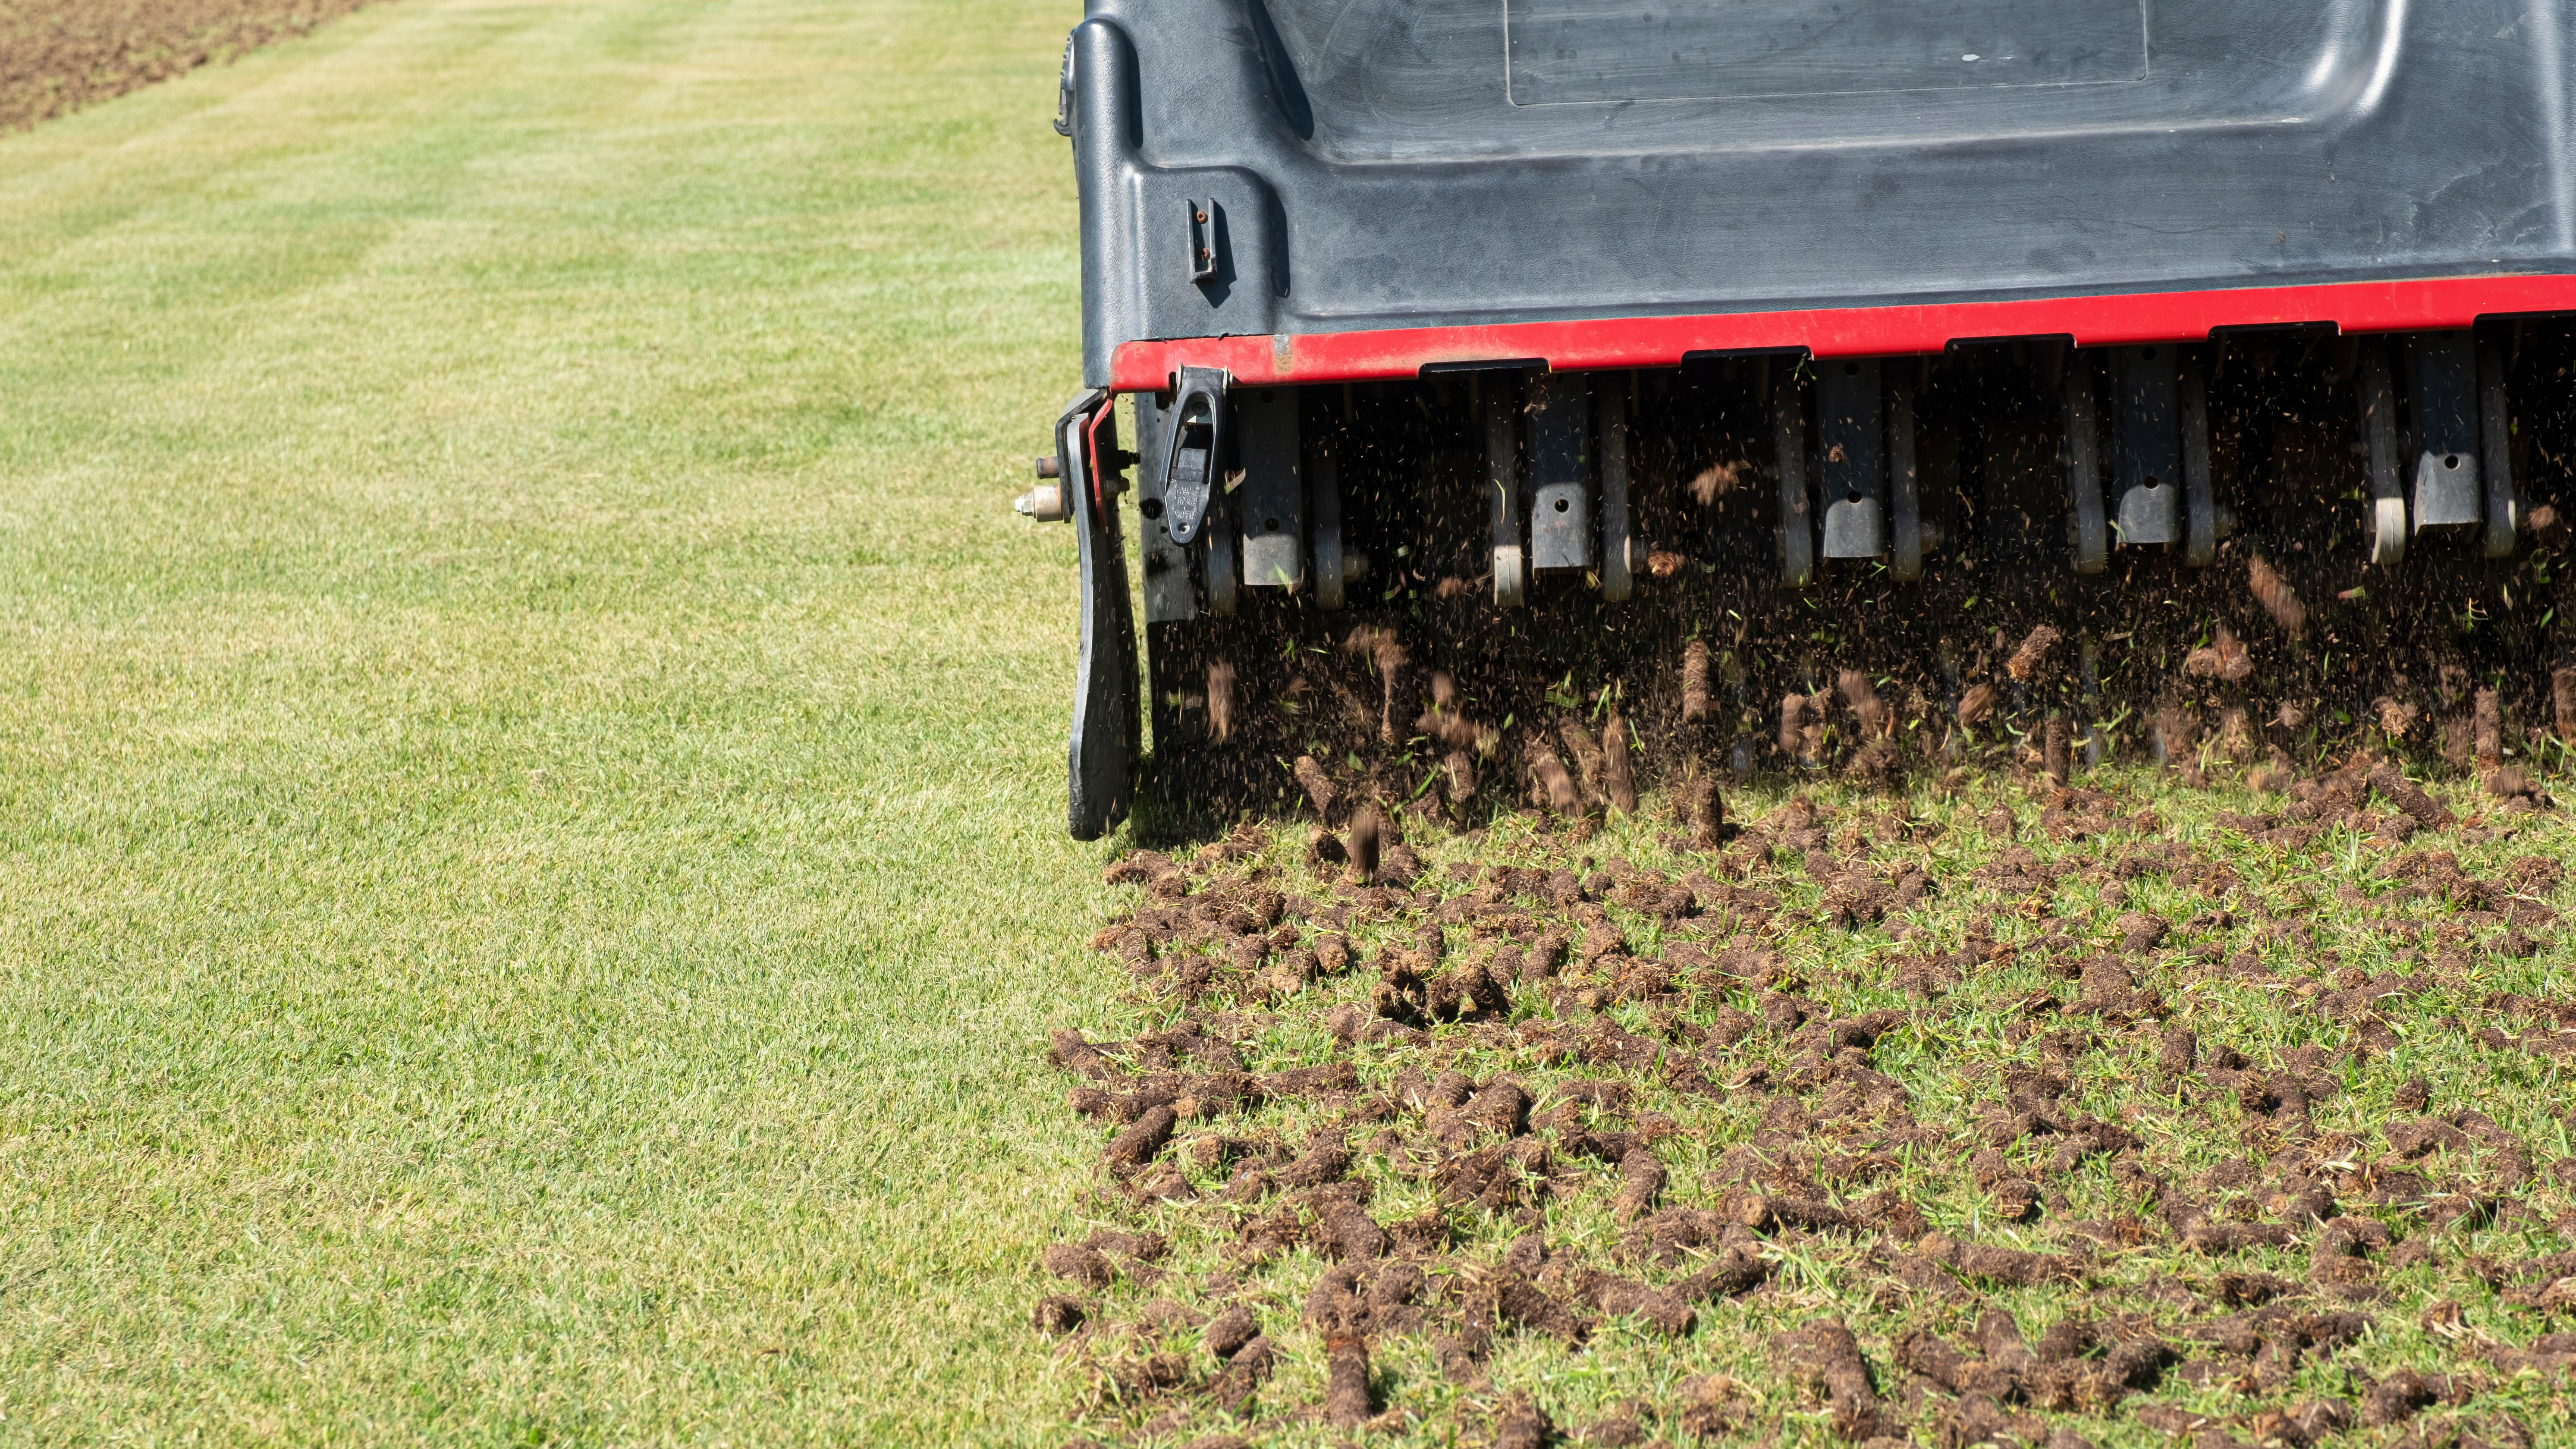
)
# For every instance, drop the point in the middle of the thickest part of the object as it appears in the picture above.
(1789, 450)
(2495, 450)
(2442, 405)
(2379, 433)
(1560, 474)
(1064, 93)
(1206, 241)
(1851, 470)
(2200, 502)
(1197, 452)
(1501, 407)
(1101, 756)
(2150, 501)
(1618, 541)
(2088, 538)
(1270, 503)
(1904, 490)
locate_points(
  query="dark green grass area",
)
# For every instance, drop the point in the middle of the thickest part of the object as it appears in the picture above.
(2352, 966)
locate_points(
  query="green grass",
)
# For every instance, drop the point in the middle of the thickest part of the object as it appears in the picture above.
(531, 862)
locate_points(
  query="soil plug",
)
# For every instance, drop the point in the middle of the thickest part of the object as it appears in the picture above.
(1368, 835)
(2032, 657)
(1347, 1404)
(1142, 1140)
(1230, 1331)
(2223, 658)
(2409, 797)
(2562, 696)
(1524, 1425)
(1616, 777)
(1587, 759)
(1556, 786)
(1220, 700)
(1462, 776)
(2053, 755)
(1318, 787)
(2276, 596)
(1703, 810)
(1977, 705)
(2487, 715)
(1876, 722)
(1695, 681)
(1793, 714)
(1243, 1376)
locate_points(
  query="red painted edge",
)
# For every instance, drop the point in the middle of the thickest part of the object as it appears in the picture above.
(2385, 306)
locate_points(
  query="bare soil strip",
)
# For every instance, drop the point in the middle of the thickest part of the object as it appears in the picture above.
(59, 55)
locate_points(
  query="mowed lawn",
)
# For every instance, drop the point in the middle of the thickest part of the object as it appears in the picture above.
(532, 868)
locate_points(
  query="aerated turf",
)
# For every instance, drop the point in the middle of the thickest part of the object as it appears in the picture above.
(1999, 1113)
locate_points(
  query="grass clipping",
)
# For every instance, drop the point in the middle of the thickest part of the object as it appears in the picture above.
(1991, 1118)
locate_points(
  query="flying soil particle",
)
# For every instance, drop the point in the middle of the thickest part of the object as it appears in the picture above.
(2224, 658)
(1617, 780)
(1390, 660)
(1703, 810)
(1367, 836)
(1220, 699)
(1695, 682)
(1712, 483)
(2028, 660)
(1317, 785)
(2276, 596)
(1587, 759)
(2235, 734)
(1462, 776)
(1857, 692)
(1549, 771)
(1977, 704)
(1793, 716)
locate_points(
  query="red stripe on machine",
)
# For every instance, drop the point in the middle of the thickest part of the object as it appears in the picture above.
(2389, 306)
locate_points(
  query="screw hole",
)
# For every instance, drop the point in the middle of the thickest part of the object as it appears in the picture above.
(2450, 460)
(2153, 482)
(2148, 353)
(1270, 525)
(1851, 369)
(1151, 508)
(1562, 505)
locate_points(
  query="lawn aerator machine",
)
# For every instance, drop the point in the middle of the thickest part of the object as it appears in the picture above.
(1675, 387)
